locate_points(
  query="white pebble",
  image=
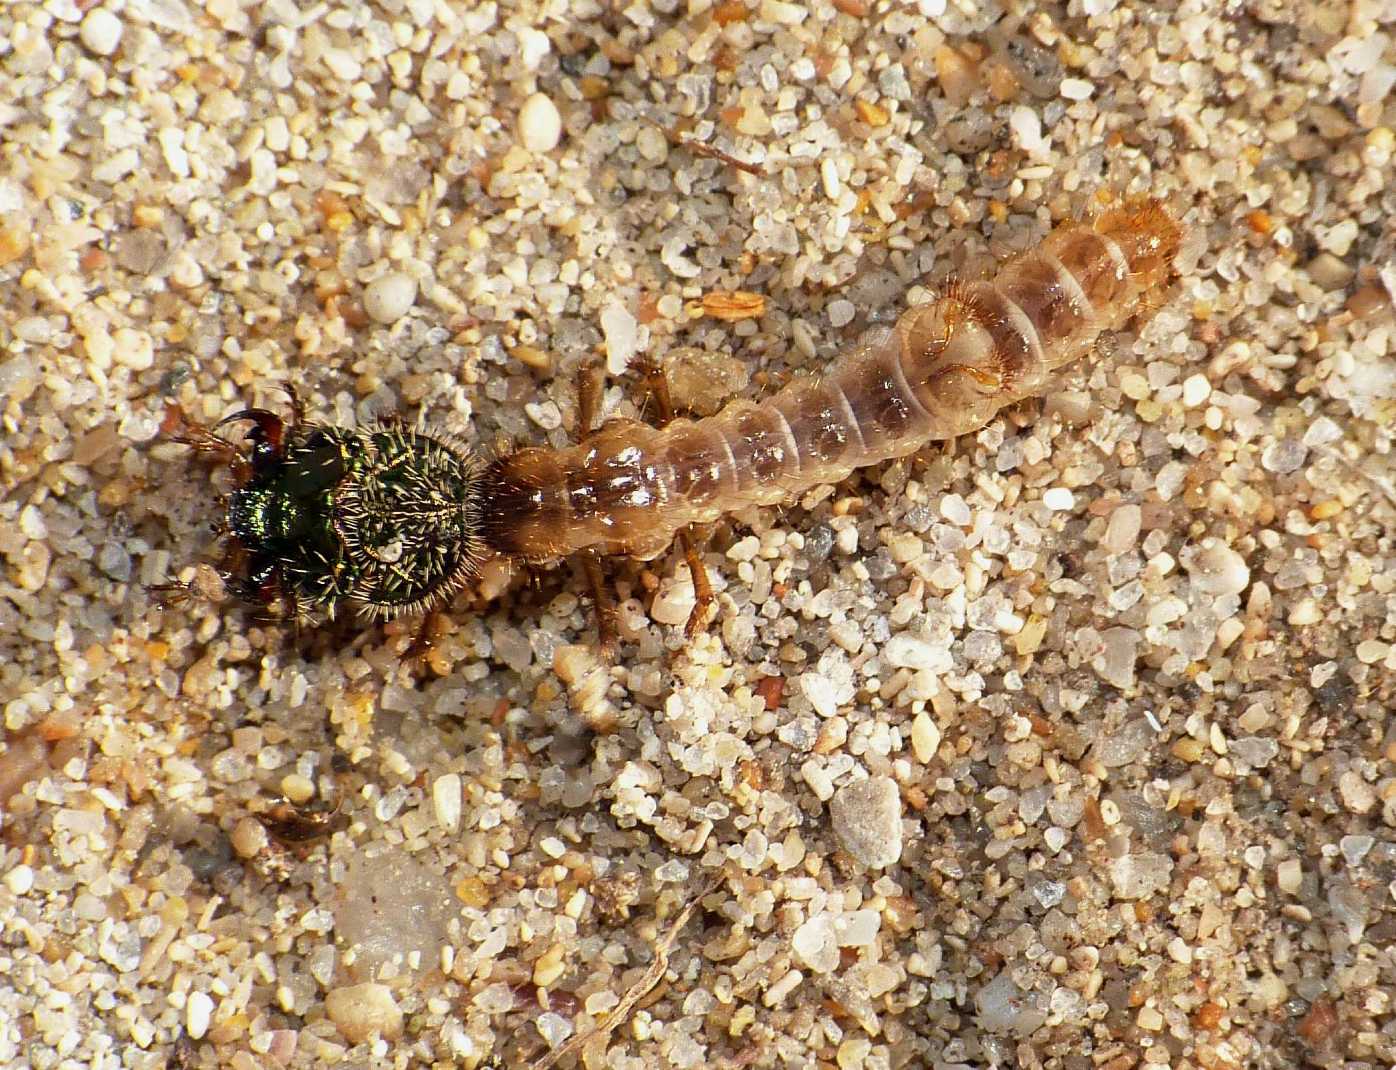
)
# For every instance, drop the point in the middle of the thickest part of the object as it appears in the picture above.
(775, 995)
(841, 312)
(17, 376)
(1027, 131)
(1119, 652)
(540, 124)
(1361, 54)
(673, 603)
(445, 800)
(846, 539)
(821, 693)
(1375, 85)
(546, 415)
(1140, 875)
(829, 176)
(621, 332)
(1284, 456)
(360, 1011)
(744, 549)
(1123, 528)
(925, 737)
(533, 46)
(1357, 795)
(1196, 390)
(1306, 612)
(553, 1028)
(1216, 569)
(1004, 1008)
(1058, 499)
(343, 65)
(858, 928)
(867, 820)
(100, 31)
(1322, 432)
(817, 777)
(780, 12)
(955, 510)
(814, 944)
(1338, 238)
(1355, 848)
(1170, 480)
(1371, 651)
(20, 880)
(1076, 88)
(1288, 875)
(387, 298)
(909, 652)
(653, 146)
(134, 349)
(31, 523)
(198, 1012)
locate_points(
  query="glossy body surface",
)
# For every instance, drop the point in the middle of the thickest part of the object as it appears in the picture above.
(941, 371)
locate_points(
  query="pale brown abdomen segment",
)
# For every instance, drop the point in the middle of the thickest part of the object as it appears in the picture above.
(943, 370)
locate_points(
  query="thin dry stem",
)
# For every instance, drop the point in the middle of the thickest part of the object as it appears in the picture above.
(641, 988)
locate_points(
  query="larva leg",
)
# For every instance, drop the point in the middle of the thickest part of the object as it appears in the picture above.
(297, 405)
(591, 380)
(177, 427)
(606, 633)
(658, 384)
(589, 383)
(988, 380)
(424, 641)
(702, 587)
(174, 593)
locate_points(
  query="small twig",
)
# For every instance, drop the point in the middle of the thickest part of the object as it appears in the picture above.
(636, 992)
(702, 148)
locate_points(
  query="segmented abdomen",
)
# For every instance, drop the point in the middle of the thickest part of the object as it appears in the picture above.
(941, 371)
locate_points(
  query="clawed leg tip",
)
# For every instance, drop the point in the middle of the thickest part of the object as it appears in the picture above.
(166, 595)
(699, 620)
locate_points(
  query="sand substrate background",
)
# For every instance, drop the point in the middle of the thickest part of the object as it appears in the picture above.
(1063, 745)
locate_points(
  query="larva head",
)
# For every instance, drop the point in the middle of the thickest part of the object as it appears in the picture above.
(384, 518)
(1148, 237)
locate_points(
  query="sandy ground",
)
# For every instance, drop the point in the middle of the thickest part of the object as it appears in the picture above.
(1063, 746)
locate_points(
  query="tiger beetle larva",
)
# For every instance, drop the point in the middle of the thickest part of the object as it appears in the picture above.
(393, 520)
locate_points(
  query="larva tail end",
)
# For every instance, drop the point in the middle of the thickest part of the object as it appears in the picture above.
(1147, 235)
